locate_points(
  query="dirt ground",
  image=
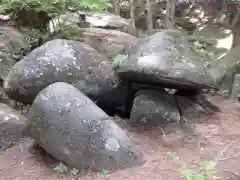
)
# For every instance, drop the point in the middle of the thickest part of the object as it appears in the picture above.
(217, 137)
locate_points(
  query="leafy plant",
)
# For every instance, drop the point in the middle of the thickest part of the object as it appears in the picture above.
(61, 168)
(118, 60)
(37, 13)
(207, 170)
(91, 4)
(103, 171)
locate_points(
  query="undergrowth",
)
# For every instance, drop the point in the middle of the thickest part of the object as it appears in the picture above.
(37, 13)
(206, 170)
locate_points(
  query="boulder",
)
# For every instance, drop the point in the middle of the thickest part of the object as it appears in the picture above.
(103, 20)
(222, 39)
(106, 41)
(224, 69)
(13, 126)
(194, 105)
(70, 127)
(13, 46)
(154, 105)
(166, 59)
(64, 61)
(189, 109)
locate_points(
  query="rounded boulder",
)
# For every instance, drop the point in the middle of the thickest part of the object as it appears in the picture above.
(67, 61)
(74, 130)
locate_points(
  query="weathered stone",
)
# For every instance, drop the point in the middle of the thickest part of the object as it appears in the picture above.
(223, 70)
(103, 20)
(64, 61)
(166, 59)
(107, 42)
(193, 105)
(13, 126)
(154, 105)
(222, 38)
(71, 128)
(12, 46)
(189, 109)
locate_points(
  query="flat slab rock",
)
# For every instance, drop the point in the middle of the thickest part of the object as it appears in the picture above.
(70, 127)
(166, 59)
(13, 126)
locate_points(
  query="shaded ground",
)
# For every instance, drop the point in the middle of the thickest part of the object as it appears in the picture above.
(216, 137)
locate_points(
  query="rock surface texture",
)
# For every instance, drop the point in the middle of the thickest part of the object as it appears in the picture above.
(154, 105)
(167, 60)
(12, 46)
(104, 20)
(64, 61)
(13, 126)
(70, 127)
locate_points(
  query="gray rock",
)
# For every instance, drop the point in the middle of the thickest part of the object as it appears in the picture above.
(3, 96)
(223, 70)
(189, 110)
(13, 45)
(71, 128)
(194, 105)
(64, 61)
(154, 105)
(103, 20)
(165, 58)
(13, 126)
(108, 42)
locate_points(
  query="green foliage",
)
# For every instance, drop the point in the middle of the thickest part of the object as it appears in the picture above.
(52, 8)
(61, 168)
(173, 156)
(91, 4)
(29, 12)
(103, 171)
(207, 170)
(118, 60)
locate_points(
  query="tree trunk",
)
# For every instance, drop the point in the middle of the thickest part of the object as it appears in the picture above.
(236, 18)
(170, 14)
(149, 16)
(116, 7)
(132, 13)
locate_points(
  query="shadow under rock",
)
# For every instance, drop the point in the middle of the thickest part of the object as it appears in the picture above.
(195, 106)
(42, 156)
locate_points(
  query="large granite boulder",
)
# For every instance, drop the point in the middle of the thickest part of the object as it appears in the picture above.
(64, 61)
(70, 127)
(165, 58)
(13, 126)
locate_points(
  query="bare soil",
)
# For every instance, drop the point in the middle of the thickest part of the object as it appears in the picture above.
(214, 138)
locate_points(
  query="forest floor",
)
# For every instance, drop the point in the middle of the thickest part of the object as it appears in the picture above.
(214, 138)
